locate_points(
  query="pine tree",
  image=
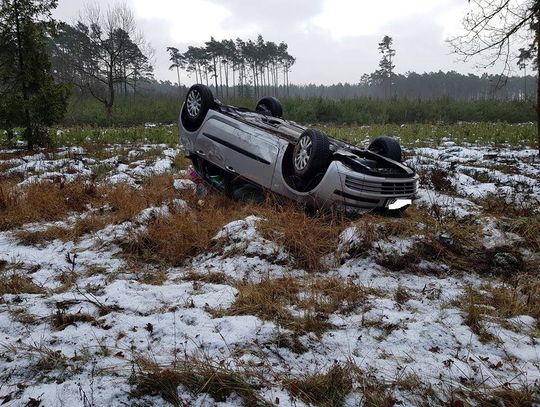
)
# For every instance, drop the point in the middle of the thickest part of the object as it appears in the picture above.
(29, 95)
(178, 61)
(385, 64)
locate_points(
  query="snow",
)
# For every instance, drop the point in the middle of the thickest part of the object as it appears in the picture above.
(182, 184)
(425, 335)
(449, 205)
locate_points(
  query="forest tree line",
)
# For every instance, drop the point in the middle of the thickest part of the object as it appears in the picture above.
(410, 85)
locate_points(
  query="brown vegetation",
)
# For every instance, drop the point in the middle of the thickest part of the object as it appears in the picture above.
(323, 389)
(316, 299)
(184, 234)
(499, 302)
(42, 202)
(305, 237)
(12, 282)
(61, 319)
(437, 179)
(197, 376)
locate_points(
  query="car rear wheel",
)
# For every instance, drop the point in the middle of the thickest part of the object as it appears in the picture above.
(387, 147)
(311, 154)
(270, 105)
(198, 101)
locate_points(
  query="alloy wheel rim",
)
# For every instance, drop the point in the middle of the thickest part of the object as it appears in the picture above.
(194, 103)
(303, 153)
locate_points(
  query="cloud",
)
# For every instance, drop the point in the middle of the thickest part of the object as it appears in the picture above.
(332, 40)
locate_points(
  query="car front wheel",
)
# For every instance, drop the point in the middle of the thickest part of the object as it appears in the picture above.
(311, 155)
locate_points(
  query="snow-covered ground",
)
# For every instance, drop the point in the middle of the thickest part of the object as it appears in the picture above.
(117, 318)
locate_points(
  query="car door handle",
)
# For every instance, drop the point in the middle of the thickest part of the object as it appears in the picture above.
(229, 168)
(200, 152)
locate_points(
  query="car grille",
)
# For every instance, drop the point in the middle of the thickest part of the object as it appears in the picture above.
(381, 188)
(389, 172)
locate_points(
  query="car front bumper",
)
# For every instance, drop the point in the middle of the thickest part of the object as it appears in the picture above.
(342, 187)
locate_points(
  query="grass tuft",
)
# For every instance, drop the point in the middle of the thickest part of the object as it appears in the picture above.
(323, 389)
(198, 376)
(17, 283)
(306, 238)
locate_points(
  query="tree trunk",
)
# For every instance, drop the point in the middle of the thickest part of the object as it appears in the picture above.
(178, 73)
(233, 82)
(29, 131)
(226, 71)
(525, 68)
(215, 76)
(110, 102)
(538, 78)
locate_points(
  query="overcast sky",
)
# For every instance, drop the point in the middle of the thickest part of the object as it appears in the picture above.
(333, 40)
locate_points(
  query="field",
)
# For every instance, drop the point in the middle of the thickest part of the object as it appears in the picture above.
(130, 111)
(123, 282)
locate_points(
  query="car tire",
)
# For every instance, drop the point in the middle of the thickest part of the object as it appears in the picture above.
(199, 100)
(269, 105)
(311, 155)
(387, 147)
(249, 193)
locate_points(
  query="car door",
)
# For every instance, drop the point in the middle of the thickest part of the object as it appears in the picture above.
(255, 156)
(205, 145)
(246, 151)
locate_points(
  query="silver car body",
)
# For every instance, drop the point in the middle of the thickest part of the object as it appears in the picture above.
(255, 147)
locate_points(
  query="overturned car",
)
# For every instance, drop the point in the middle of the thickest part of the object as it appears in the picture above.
(250, 150)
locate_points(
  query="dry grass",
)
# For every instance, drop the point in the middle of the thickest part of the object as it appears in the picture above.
(61, 319)
(499, 302)
(46, 360)
(291, 342)
(323, 389)
(402, 295)
(207, 277)
(375, 394)
(175, 238)
(329, 295)
(67, 280)
(510, 397)
(315, 300)
(495, 205)
(379, 323)
(305, 237)
(455, 243)
(126, 201)
(50, 202)
(42, 201)
(475, 315)
(527, 227)
(267, 300)
(373, 227)
(180, 161)
(521, 299)
(152, 275)
(38, 237)
(23, 316)
(437, 179)
(82, 226)
(16, 283)
(198, 376)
